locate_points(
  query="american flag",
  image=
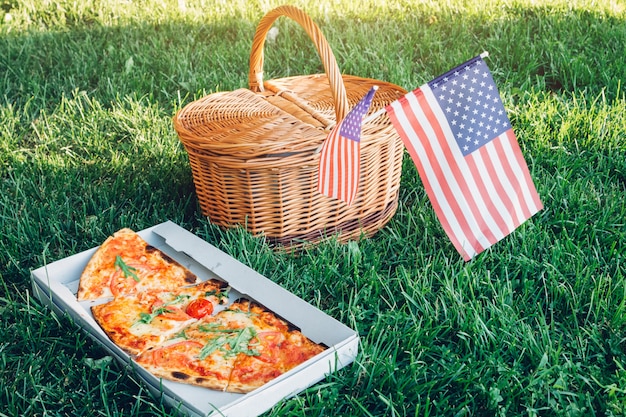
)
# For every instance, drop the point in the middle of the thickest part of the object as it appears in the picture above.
(459, 136)
(340, 159)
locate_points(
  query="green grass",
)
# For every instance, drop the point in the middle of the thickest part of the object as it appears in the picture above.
(535, 326)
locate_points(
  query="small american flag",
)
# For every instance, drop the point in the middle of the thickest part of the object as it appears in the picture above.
(459, 136)
(340, 159)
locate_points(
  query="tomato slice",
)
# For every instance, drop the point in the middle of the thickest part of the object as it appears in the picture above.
(120, 284)
(174, 313)
(199, 308)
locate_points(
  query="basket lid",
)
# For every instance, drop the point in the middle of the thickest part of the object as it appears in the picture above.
(243, 124)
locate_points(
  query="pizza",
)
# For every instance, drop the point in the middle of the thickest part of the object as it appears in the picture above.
(183, 329)
(137, 321)
(126, 264)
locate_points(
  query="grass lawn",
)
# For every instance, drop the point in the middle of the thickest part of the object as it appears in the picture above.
(534, 326)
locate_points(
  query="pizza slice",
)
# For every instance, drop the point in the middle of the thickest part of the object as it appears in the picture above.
(202, 354)
(136, 322)
(237, 350)
(278, 345)
(127, 264)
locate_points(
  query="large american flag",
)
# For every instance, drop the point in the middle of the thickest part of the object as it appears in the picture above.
(459, 136)
(340, 159)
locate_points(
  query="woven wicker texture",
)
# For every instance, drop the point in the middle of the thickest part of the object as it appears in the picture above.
(254, 153)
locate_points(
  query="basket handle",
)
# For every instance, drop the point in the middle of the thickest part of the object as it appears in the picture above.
(255, 76)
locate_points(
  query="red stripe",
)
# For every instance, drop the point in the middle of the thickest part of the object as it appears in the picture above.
(528, 182)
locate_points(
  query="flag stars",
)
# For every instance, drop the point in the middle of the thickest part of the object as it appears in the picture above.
(469, 99)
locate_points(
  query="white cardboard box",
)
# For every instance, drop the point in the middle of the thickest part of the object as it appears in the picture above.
(56, 284)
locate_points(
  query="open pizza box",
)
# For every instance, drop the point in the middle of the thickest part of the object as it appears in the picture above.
(56, 284)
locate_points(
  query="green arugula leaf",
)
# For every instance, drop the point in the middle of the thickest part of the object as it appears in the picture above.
(229, 341)
(147, 318)
(220, 295)
(180, 335)
(127, 271)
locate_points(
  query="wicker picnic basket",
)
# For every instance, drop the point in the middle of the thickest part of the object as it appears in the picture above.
(254, 153)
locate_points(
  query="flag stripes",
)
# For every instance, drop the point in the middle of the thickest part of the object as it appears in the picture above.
(339, 167)
(479, 198)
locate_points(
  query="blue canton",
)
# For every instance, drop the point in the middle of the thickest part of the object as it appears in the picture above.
(351, 125)
(471, 104)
